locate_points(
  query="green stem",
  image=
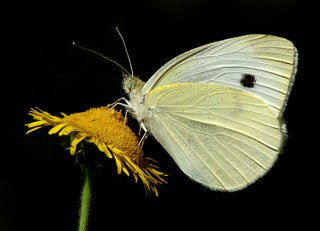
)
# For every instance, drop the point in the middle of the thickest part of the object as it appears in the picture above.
(85, 198)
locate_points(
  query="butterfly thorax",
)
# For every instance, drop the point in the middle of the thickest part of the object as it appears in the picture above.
(133, 87)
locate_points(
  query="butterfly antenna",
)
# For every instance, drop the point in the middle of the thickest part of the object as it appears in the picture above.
(94, 52)
(125, 48)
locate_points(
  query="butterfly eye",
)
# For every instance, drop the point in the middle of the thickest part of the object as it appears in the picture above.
(128, 83)
(248, 80)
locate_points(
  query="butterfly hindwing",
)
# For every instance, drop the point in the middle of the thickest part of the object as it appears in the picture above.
(221, 137)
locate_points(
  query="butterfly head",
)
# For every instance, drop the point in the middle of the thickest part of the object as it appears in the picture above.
(132, 84)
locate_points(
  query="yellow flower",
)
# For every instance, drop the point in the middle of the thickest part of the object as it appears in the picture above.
(105, 128)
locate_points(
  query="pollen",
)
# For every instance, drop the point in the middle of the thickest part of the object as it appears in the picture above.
(109, 127)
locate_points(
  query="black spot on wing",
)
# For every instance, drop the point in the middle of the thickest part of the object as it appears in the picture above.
(248, 80)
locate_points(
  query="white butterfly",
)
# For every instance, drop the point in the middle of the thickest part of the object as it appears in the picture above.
(217, 109)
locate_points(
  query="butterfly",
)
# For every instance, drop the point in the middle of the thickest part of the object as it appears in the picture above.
(217, 109)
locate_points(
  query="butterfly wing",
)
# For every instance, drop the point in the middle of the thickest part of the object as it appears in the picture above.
(270, 60)
(221, 137)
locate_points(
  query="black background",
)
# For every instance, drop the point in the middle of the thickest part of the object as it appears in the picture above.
(40, 183)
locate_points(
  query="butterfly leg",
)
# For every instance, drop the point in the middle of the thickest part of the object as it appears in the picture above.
(126, 104)
(144, 136)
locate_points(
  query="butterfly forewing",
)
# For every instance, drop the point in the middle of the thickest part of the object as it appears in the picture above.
(269, 59)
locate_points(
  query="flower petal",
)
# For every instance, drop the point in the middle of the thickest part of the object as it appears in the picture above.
(56, 128)
(66, 130)
(76, 140)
